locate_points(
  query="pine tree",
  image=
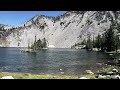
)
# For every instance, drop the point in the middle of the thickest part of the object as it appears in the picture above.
(39, 44)
(34, 46)
(28, 44)
(98, 44)
(103, 48)
(44, 44)
(93, 42)
(117, 43)
(110, 40)
(89, 45)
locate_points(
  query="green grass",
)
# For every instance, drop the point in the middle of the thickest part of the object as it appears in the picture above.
(36, 76)
(44, 76)
(109, 68)
(17, 75)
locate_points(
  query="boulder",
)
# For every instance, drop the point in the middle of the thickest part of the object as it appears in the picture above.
(118, 60)
(110, 73)
(99, 64)
(89, 72)
(60, 69)
(114, 70)
(7, 77)
(115, 77)
(101, 77)
(109, 76)
(83, 78)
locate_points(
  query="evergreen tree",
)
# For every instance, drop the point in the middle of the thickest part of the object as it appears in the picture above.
(34, 46)
(44, 44)
(39, 44)
(93, 42)
(117, 42)
(98, 44)
(103, 48)
(89, 45)
(28, 44)
(110, 40)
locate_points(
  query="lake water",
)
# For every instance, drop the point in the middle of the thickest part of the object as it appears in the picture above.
(50, 61)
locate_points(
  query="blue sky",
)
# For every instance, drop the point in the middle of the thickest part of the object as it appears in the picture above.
(15, 18)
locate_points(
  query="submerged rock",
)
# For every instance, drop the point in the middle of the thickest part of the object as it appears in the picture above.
(111, 63)
(60, 69)
(99, 64)
(62, 72)
(89, 72)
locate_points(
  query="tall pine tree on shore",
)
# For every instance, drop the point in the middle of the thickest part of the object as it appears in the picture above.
(110, 40)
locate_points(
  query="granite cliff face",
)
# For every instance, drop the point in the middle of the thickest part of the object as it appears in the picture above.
(62, 31)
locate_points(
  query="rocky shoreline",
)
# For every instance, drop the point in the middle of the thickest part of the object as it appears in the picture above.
(107, 72)
(111, 70)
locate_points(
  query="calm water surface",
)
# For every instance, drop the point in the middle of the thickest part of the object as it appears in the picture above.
(50, 61)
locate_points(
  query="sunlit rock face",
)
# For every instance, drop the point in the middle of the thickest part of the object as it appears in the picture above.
(62, 31)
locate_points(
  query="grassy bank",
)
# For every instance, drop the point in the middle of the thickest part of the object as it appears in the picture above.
(36, 76)
(17, 75)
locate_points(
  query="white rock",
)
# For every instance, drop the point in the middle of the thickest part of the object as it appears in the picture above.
(110, 72)
(62, 72)
(60, 69)
(83, 78)
(108, 76)
(89, 72)
(110, 54)
(114, 70)
(101, 77)
(115, 77)
(7, 77)
(99, 64)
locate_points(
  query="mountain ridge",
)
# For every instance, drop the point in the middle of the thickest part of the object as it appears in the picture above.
(65, 30)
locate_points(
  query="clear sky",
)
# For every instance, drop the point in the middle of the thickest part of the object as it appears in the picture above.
(15, 18)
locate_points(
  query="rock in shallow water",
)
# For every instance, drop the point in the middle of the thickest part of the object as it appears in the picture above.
(62, 72)
(89, 72)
